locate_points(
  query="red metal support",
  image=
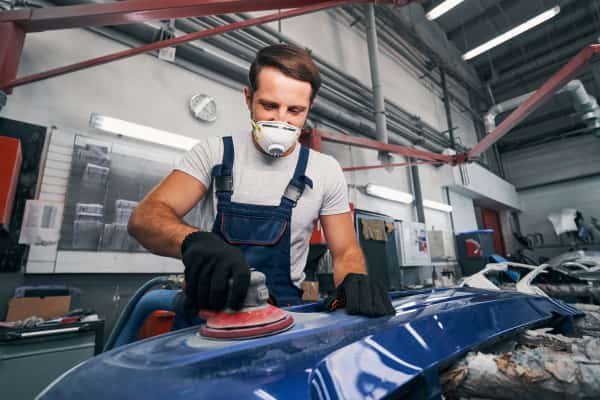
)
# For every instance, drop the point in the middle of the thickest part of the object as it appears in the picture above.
(137, 11)
(557, 81)
(11, 46)
(380, 146)
(311, 138)
(9, 84)
(15, 24)
(392, 165)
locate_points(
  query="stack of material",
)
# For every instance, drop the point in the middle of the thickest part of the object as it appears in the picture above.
(115, 235)
(87, 226)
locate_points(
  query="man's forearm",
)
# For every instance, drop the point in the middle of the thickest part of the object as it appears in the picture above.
(351, 261)
(157, 228)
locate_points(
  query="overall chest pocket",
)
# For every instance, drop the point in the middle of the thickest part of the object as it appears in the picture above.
(252, 230)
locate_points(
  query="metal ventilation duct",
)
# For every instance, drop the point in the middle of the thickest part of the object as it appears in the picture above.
(585, 105)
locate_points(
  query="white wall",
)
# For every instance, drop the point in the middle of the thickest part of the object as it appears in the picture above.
(463, 212)
(483, 184)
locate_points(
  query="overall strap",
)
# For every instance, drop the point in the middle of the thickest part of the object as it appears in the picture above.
(223, 173)
(294, 189)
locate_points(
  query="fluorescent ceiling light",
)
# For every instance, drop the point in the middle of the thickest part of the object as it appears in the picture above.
(442, 9)
(498, 40)
(437, 206)
(388, 194)
(140, 132)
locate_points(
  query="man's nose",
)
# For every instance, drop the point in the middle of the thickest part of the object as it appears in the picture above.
(280, 115)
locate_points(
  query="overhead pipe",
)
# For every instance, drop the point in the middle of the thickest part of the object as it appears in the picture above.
(585, 105)
(378, 99)
(380, 119)
(332, 77)
(447, 108)
(391, 37)
(414, 172)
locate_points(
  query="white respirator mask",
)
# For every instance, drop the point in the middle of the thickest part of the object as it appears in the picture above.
(275, 137)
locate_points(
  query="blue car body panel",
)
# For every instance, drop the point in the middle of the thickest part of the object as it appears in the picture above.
(324, 356)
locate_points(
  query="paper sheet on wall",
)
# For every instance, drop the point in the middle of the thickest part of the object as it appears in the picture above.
(41, 223)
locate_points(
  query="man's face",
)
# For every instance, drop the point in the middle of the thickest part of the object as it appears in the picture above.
(279, 98)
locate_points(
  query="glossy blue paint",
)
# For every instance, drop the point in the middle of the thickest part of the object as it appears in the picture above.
(324, 356)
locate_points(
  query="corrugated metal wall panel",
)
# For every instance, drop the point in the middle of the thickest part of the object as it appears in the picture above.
(583, 195)
(554, 161)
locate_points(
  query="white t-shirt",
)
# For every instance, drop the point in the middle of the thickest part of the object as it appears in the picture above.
(261, 180)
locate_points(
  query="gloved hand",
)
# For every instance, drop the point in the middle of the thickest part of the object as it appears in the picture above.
(361, 296)
(209, 264)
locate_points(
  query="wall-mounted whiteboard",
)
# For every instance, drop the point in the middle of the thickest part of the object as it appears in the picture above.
(99, 178)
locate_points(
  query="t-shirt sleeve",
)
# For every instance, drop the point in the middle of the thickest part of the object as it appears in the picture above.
(200, 160)
(335, 199)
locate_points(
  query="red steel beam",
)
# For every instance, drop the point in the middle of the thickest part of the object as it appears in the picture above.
(393, 165)
(11, 46)
(558, 80)
(311, 138)
(164, 43)
(390, 148)
(136, 11)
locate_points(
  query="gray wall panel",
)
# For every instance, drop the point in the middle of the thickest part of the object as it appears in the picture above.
(583, 195)
(553, 161)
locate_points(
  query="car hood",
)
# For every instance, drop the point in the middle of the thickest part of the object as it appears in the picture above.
(325, 355)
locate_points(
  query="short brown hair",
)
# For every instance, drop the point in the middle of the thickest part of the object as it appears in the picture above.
(293, 61)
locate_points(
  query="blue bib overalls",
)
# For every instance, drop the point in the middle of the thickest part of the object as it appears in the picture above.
(263, 233)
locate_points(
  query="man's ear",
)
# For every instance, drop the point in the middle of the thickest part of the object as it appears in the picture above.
(248, 97)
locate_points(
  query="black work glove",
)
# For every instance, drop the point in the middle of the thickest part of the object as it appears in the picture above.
(361, 296)
(209, 264)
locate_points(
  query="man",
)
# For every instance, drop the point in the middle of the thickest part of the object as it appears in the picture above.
(266, 193)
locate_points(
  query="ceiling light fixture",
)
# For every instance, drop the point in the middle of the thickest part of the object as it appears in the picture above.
(140, 132)
(498, 40)
(442, 9)
(388, 194)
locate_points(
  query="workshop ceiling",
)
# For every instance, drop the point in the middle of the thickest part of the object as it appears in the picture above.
(524, 63)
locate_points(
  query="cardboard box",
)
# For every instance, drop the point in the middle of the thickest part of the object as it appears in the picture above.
(45, 307)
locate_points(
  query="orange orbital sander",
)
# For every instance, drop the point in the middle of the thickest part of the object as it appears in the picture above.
(257, 317)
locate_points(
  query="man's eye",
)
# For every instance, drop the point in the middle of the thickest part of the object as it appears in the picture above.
(270, 106)
(295, 111)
